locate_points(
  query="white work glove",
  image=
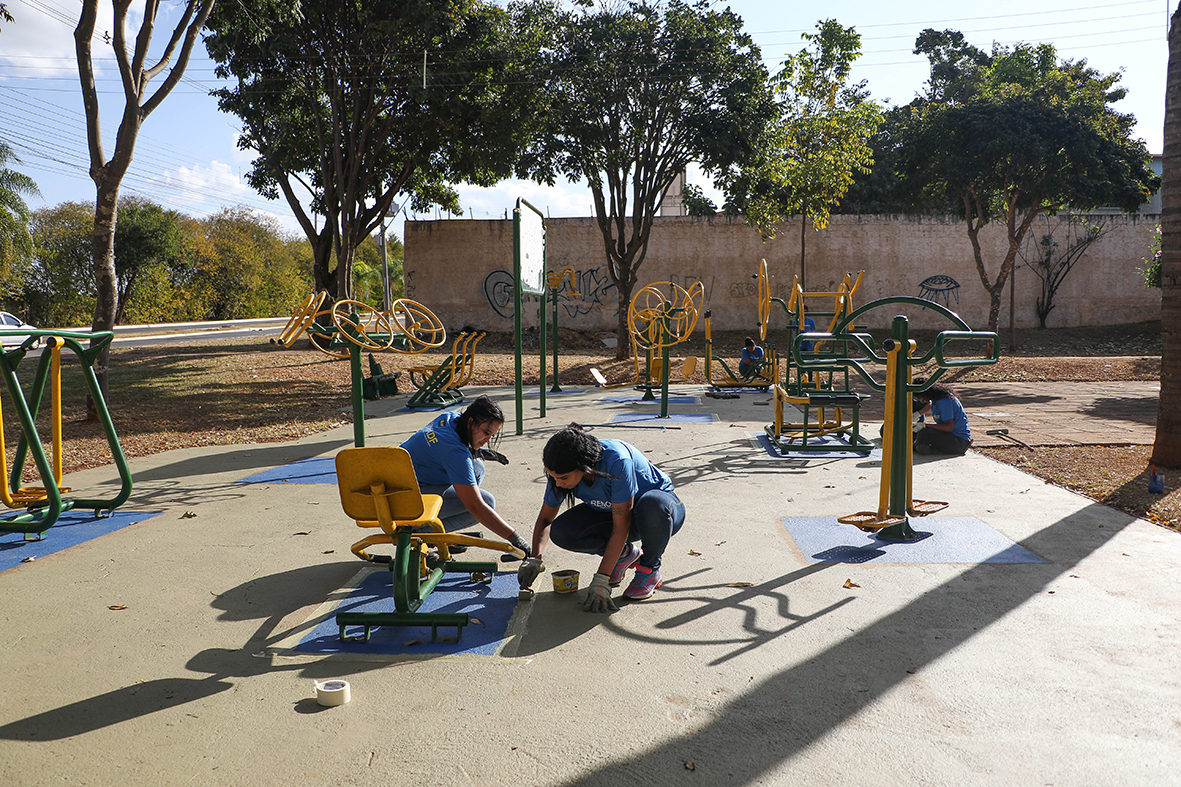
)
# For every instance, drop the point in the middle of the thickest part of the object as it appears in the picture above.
(598, 595)
(528, 572)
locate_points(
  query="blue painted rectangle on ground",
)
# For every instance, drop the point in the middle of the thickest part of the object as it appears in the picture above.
(690, 418)
(941, 540)
(839, 449)
(489, 605)
(72, 528)
(640, 400)
(313, 470)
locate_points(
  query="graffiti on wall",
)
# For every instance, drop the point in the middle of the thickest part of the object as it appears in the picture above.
(934, 288)
(593, 287)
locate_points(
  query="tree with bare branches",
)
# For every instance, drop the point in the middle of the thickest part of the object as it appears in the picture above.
(137, 71)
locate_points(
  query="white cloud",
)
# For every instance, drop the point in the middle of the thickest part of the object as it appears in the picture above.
(203, 187)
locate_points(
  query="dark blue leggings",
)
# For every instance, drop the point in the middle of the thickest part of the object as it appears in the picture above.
(656, 517)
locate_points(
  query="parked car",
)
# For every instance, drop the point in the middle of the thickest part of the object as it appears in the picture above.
(9, 322)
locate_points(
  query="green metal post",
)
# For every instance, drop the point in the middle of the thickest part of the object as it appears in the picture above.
(664, 355)
(358, 398)
(557, 388)
(541, 352)
(516, 316)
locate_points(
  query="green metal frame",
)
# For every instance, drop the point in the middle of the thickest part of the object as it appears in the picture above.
(411, 590)
(899, 461)
(43, 514)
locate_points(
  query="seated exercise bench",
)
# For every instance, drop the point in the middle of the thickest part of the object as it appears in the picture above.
(378, 489)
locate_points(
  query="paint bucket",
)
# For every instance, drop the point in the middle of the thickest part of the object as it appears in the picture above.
(1156, 481)
(565, 581)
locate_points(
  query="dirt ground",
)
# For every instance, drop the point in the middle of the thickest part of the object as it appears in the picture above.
(249, 391)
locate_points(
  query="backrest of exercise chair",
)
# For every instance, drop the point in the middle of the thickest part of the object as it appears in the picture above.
(378, 485)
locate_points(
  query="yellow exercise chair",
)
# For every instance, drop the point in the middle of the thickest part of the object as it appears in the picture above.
(378, 489)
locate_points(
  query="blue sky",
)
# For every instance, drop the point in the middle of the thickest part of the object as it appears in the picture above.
(186, 158)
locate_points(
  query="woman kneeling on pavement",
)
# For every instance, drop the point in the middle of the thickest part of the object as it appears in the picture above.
(625, 498)
(448, 457)
(949, 434)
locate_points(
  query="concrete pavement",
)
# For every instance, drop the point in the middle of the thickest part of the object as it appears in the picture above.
(756, 664)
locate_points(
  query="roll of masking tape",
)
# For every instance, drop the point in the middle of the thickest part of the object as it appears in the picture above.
(333, 692)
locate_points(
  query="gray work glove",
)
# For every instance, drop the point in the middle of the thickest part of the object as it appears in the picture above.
(528, 572)
(488, 453)
(598, 595)
(521, 544)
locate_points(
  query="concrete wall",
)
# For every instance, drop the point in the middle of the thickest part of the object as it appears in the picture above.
(462, 269)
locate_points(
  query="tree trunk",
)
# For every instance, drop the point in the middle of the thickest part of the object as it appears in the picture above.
(623, 345)
(106, 305)
(1166, 451)
(803, 242)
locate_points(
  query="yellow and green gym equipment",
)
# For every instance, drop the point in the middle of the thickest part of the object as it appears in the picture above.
(378, 489)
(895, 503)
(302, 319)
(554, 282)
(823, 388)
(657, 322)
(407, 328)
(44, 504)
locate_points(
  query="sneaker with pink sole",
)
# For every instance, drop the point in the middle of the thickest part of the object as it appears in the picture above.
(644, 584)
(629, 558)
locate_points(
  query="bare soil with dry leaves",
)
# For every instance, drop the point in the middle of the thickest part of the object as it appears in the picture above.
(249, 391)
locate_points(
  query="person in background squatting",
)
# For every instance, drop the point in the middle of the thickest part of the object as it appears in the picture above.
(625, 498)
(752, 358)
(448, 460)
(949, 434)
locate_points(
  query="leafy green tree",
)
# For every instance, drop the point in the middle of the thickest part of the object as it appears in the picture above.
(637, 93)
(247, 268)
(59, 291)
(139, 101)
(696, 203)
(7, 17)
(1151, 269)
(1024, 135)
(16, 244)
(357, 102)
(809, 157)
(147, 238)
(1166, 450)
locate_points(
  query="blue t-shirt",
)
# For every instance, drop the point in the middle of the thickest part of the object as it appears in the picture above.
(949, 409)
(752, 356)
(440, 456)
(622, 474)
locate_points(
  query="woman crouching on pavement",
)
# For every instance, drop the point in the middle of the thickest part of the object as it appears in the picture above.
(625, 498)
(949, 434)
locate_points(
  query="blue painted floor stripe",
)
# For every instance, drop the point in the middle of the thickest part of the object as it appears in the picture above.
(313, 470)
(941, 540)
(72, 528)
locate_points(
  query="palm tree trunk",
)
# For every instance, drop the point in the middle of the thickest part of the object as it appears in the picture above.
(1167, 449)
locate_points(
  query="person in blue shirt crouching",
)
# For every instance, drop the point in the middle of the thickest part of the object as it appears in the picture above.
(949, 433)
(624, 499)
(448, 455)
